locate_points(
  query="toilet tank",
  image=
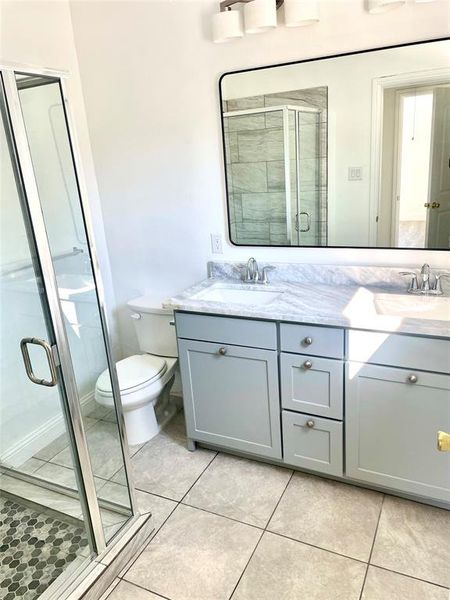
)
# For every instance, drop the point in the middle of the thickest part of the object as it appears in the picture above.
(153, 326)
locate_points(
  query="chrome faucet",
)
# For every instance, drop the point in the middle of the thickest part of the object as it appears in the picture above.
(252, 274)
(423, 283)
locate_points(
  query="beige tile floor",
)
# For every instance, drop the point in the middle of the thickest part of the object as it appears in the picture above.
(231, 528)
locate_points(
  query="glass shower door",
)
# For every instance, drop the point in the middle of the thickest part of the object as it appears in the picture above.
(34, 521)
(51, 149)
(63, 464)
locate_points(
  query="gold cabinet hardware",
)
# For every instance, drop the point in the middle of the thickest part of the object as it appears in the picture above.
(427, 204)
(443, 441)
(310, 424)
(435, 205)
(222, 351)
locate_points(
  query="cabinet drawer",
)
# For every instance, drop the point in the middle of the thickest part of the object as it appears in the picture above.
(319, 341)
(242, 332)
(392, 427)
(312, 443)
(410, 352)
(312, 385)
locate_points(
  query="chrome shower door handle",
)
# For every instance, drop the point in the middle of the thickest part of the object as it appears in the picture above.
(308, 222)
(50, 359)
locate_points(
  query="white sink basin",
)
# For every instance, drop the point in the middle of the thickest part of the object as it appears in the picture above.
(413, 307)
(236, 295)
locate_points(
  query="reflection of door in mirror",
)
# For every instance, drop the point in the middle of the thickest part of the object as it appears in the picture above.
(415, 167)
(276, 167)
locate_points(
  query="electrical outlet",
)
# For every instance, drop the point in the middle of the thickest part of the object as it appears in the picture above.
(216, 243)
(355, 173)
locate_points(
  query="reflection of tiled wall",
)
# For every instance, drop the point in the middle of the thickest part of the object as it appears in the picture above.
(254, 148)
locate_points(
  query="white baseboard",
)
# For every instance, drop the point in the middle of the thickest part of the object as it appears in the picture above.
(45, 434)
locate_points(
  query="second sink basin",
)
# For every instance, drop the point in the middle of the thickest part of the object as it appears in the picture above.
(414, 307)
(235, 295)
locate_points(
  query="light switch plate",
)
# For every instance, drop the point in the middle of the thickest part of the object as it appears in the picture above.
(355, 173)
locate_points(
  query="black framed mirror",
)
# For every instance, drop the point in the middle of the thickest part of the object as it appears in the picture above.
(347, 151)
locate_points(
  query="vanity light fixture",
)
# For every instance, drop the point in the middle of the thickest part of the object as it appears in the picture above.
(227, 25)
(299, 13)
(381, 6)
(260, 15)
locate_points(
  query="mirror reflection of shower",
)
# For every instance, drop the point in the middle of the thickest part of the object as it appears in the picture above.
(276, 168)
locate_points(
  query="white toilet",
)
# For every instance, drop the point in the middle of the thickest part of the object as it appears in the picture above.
(145, 379)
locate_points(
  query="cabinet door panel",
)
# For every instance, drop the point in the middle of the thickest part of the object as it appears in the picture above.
(312, 443)
(231, 399)
(312, 385)
(391, 429)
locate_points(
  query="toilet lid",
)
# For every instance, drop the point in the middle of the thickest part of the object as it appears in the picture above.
(134, 371)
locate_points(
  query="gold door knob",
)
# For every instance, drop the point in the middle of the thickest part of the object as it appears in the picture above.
(443, 441)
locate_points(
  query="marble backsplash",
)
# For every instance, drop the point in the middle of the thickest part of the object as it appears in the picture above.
(377, 276)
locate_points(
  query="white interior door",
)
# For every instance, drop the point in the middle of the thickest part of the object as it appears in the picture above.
(438, 235)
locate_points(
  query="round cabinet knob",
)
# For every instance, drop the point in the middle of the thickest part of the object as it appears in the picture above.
(222, 351)
(412, 379)
(310, 423)
(308, 341)
(307, 364)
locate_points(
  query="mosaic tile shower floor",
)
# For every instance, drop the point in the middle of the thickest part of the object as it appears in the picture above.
(35, 548)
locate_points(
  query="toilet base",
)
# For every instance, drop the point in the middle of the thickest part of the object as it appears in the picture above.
(141, 424)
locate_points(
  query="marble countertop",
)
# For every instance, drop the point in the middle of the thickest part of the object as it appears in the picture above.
(351, 306)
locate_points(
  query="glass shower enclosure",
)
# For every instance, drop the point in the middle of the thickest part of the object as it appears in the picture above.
(64, 488)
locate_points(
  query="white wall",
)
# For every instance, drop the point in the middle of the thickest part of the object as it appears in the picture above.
(149, 72)
(40, 34)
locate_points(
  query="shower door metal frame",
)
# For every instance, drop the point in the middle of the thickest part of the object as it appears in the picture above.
(76, 427)
(284, 109)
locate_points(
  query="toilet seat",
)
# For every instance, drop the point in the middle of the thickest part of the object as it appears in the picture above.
(134, 373)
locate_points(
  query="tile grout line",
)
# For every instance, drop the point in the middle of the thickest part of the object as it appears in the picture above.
(261, 537)
(178, 503)
(286, 537)
(201, 474)
(210, 512)
(142, 588)
(130, 565)
(371, 549)
(439, 585)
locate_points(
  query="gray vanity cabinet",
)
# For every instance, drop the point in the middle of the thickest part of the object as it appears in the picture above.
(231, 396)
(392, 419)
(359, 405)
